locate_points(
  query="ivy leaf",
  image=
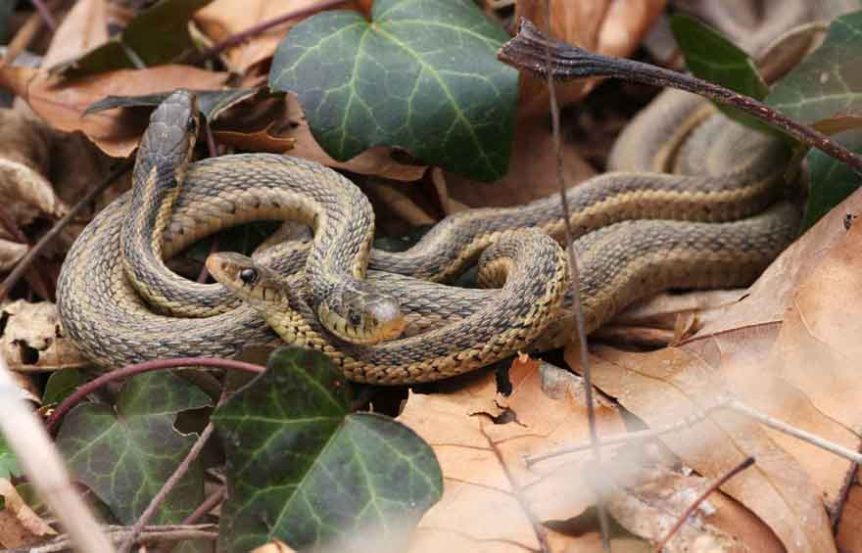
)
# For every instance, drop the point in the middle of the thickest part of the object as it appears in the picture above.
(157, 35)
(124, 453)
(421, 75)
(303, 469)
(60, 385)
(825, 89)
(8, 465)
(713, 57)
(831, 180)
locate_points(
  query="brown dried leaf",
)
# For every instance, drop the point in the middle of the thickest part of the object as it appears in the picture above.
(602, 26)
(83, 28)
(19, 525)
(492, 501)
(32, 338)
(116, 132)
(223, 18)
(10, 253)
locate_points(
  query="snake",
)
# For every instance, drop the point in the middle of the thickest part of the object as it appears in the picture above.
(681, 207)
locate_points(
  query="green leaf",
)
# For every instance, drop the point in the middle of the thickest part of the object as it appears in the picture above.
(124, 453)
(60, 385)
(421, 75)
(302, 469)
(156, 36)
(825, 89)
(831, 180)
(8, 465)
(713, 57)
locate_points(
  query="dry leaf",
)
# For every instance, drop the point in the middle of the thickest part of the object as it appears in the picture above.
(223, 18)
(10, 254)
(32, 338)
(602, 26)
(648, 502)
(116, 132)
(19, 525)
(83, 28)
(492, 501)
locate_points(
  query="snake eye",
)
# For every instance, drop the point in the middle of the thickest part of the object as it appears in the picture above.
(248, 276)
(354, 318)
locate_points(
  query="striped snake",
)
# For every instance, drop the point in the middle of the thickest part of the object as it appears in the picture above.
(720, 177)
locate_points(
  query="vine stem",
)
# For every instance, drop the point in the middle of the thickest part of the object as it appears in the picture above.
(130, 370)
(263, 26)
(747, 462)
(527, 49)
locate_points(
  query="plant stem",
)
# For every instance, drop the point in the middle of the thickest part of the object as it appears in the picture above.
(168, 486)
(131, 370)
(526, 51)
(747, 462)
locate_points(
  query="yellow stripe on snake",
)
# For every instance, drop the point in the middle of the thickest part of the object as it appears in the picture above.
(683, 207)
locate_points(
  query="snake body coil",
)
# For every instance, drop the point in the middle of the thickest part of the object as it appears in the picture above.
(722, 172)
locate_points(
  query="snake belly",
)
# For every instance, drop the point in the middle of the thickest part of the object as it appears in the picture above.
(739, 173)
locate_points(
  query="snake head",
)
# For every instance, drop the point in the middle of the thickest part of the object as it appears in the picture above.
(170, 138)
(362, 315)
(249, 281)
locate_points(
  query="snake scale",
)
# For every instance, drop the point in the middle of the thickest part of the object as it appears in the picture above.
(683, 207)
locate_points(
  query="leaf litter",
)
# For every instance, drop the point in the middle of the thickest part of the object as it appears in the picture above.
(758, 346)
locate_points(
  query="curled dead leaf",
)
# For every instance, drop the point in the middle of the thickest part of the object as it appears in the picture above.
(32, 338)
(20, 526)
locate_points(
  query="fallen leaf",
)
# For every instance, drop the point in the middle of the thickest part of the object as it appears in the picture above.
(492, 501)
(31, 338)
(83, 28)
(19, 525)
(62, 104)
(11, 253)
(602, 26)
(224, 18)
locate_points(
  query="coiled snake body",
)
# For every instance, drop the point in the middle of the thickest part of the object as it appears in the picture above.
(719, 171)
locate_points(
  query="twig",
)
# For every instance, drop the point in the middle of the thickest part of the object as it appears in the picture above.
(798, 433)
(628, 437)
(45, 469)
(28, 259)
(172, 532)
(208, 505)
(713, 487)
(131, 370)
(239, 38)
(169, 485)
(45, 14)
(580, 327)
(527, 51)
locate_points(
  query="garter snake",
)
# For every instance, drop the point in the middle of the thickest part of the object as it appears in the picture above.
(677, 160)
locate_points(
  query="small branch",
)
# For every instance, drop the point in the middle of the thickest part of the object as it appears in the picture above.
(130, 370)
(169, 485)
(580, 327)
(629, 437)
(263, 26)
(45, 14)
(691, 508)
(173, 532)
(208, 505)
(31, 255)
(45, 469)
(527, 49)
(800, 434)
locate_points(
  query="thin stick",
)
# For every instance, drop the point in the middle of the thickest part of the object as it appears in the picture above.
(147, 366)
(527, 51)
(167, 487)
(45, 469)
(239, 38)
(45, 14)
(713, 487)
(580, 327)
(781, 426)
(173, 532)
(628, 437)
(28, 259)
(208, 505)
